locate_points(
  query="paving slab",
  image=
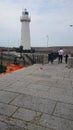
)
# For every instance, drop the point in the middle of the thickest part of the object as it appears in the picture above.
(7, 109)
(5, 126)
(6, 97)
(24, 114)
(61, 94)
(64, 110)
(56, 123)
(35, 103)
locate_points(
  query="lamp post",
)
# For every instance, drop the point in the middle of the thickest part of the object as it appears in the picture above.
(71, 25)
(47, 39)
(18, 43)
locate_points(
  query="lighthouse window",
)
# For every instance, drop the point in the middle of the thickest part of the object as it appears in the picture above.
(26, 13)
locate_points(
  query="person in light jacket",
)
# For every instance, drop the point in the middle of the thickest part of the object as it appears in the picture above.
(60, 55)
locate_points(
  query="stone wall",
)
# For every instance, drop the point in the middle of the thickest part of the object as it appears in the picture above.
(68, 49)
(40, 58)
(70, 62)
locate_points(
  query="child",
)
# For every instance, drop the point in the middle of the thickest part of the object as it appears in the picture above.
(66, 58)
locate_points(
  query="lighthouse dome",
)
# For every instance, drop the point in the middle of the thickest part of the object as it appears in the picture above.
(25, 12)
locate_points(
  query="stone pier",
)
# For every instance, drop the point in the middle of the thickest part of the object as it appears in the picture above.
(38, 97)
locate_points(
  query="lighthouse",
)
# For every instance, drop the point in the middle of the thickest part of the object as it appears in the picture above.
(25, 30)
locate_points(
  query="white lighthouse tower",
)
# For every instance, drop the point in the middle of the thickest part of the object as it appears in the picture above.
(25, 30)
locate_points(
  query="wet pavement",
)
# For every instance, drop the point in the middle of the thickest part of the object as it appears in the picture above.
(38, 97)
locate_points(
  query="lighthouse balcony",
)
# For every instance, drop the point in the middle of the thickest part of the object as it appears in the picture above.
(25, 18)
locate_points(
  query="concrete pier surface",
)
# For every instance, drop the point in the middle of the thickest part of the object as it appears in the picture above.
(38, 97)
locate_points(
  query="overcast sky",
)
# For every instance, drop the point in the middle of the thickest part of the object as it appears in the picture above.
(49, 26)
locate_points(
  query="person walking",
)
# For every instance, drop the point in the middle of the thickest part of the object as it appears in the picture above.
(51, 57)
(66, 58)
(60, 55)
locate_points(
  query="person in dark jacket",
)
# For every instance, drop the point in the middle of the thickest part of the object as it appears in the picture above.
(51, 57)
(66, 58)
